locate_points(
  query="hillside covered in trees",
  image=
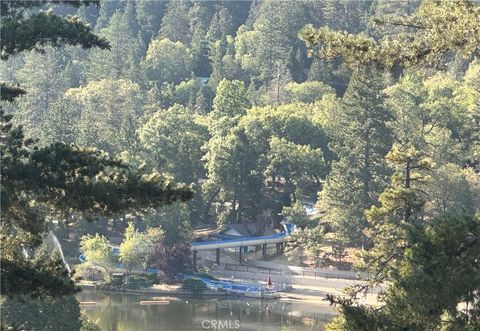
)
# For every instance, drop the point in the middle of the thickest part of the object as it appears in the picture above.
(370, 109)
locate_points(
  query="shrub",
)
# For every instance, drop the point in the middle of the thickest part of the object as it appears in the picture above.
(195, 286)
(137, 281)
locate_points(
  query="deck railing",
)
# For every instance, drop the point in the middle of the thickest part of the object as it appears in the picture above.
(289, 272)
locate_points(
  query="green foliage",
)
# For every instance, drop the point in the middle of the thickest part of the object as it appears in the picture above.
(52, 180)
(173, 260)
(175, 23)
(357, 125)
(42, 313)
(437, 28)
(43, 276)
(230, 103)
(149, 17)
(174, 221)
(307, 92)
(41, 77)
(223, 61)
(23, 31)
(137, 281)
(232, 165)
(9, 93)
(98, 254)
(167, 61)
(88, 324)
(435, 287)
(195, 286)
(137, 249)
(389, 155)
(109, 112)
(130, 249)
(297, 164)
(306, 242)
(268, 43)
(119, 61)
(173, 140)
(297, 215)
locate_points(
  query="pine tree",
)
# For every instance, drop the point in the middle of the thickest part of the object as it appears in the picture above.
(176, 23)
(428, 43)
(110, 111)
(23, 30)
(267, 44)
(149, 18)
(221, 25)
(107, 9)
(71, 179)
(42, 76)
(345, 15)
(361, 141)
(199, 17)
(120, 61)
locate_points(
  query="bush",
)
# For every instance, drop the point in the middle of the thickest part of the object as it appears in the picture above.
(195, 286)
(144, 281)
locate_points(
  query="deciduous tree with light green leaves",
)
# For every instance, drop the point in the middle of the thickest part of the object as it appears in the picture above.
(98, 255)
(230, 103)
(131, 249)
(167, 62)
(173, 141)
(299, 165)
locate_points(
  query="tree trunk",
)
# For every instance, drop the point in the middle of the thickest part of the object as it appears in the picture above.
(209, 203)
(235, 194)
(408, 211)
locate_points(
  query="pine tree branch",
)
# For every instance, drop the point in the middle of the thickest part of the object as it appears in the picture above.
(20, 33)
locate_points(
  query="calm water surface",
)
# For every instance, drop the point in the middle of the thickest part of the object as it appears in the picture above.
(123, 312)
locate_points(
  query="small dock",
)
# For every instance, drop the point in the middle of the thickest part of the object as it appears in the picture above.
(154, 302)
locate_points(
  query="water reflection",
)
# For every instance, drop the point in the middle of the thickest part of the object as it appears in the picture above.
(121, 312)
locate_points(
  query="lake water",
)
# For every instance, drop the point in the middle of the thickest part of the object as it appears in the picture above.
(123, 312)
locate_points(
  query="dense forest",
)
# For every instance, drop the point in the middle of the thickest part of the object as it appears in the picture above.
(259, 106)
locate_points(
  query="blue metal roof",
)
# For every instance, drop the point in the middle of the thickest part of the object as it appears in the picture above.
(278, 235)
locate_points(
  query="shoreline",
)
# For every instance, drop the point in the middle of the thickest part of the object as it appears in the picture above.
(153, 291)
(286, 296)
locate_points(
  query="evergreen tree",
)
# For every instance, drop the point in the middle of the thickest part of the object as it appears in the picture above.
(107, 9)
(120, 61)
(41, 74)
(149, 18)
(110, 111)
(232, 166)
(221, 25)
(176, 22)
(59, 178)
(361, 141)
(223, 61)
(199, 18)
(345, 15)
(428, 42)
(268, 43)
